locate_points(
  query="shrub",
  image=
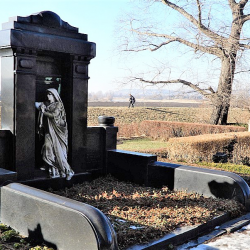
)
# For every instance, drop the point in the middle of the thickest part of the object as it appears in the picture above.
(203, 147)
(164, 129)
(128, 130)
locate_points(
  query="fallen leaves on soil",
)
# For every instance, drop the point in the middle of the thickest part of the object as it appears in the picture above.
(140, 214)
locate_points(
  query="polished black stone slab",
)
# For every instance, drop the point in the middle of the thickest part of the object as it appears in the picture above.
(145, 170)
(96, 149)
(7, 176)
(59, 222)
(129, 166)
(207, 182)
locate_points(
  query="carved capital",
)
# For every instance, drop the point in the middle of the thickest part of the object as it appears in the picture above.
(26, 63)
(81, 69)
(80, 66)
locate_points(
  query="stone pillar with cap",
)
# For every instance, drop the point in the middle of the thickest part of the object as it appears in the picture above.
(107, 122)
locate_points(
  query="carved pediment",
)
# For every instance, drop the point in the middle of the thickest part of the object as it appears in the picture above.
(46, 18)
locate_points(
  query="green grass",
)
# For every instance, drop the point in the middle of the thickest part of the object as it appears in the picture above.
(241, 169)
(140, 144)
(10, 239)
(145, 144)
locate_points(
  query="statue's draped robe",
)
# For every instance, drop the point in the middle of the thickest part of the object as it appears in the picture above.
(55, 148)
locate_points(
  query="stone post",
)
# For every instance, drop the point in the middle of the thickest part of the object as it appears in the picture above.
(107, 122)
(24, 120)
(79, 112)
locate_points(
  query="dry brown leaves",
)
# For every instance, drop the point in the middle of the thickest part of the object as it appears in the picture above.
(140, 214)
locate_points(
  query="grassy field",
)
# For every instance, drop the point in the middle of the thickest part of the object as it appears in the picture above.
(182, 114)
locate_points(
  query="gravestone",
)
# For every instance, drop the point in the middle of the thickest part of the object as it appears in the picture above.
(44, 85)
(40, 52)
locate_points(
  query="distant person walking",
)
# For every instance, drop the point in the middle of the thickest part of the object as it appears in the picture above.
(131, 101)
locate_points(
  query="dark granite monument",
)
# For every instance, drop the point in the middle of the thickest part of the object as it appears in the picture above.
(44, 79)
(40, 52)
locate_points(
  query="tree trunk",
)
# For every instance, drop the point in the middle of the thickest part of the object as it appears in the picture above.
(217, 108)
(221, 99)
(224, 113)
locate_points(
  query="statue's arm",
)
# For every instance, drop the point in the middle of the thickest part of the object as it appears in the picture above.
(48, 114)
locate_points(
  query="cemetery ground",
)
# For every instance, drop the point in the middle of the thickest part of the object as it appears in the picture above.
(138, 213)
(128, 122)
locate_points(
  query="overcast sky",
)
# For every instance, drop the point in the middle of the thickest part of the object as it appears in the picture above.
(97, 18)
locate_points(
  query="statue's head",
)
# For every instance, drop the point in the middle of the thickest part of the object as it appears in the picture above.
(53, 95)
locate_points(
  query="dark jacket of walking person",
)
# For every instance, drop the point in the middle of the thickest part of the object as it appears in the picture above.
(131, 101)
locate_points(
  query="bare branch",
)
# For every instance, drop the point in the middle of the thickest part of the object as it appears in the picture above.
(214, 36)
(207, 49)
(242, 71)
(232, 4)
(184, 82)
(211, 90)
(199, 11)
(245, 18)
(242, 3)
(244, 46)
(162, 44)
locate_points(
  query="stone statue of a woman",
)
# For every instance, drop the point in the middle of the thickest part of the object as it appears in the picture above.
(52, 118)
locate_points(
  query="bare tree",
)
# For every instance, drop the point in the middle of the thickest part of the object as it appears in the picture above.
(205, 35)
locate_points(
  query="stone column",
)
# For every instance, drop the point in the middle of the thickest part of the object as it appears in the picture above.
(79, 113)
(24, 117)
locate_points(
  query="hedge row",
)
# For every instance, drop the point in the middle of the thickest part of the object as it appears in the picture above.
(164, 129)
(236, 147)
(128, 130)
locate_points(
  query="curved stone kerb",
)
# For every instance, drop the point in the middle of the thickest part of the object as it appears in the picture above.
(208, 182)
(105, 235)
(234, 177)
